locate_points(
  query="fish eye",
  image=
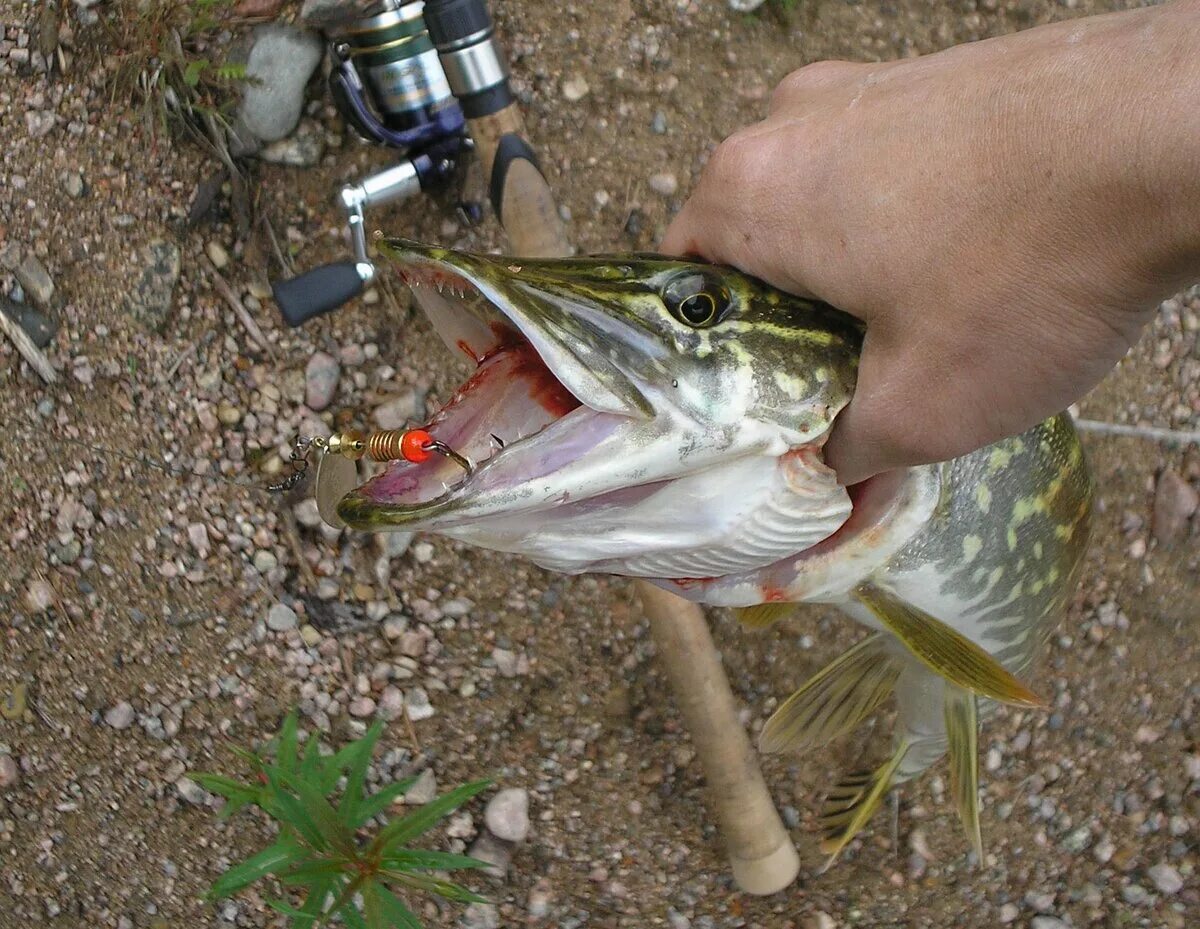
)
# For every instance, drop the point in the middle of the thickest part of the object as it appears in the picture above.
(696, 300)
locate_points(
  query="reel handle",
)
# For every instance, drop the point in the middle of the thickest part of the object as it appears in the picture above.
(320, 290)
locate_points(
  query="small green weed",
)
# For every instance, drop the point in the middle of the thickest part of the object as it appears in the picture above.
(328, 850)
(169, 54)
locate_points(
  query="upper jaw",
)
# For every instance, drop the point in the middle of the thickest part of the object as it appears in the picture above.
(568, 332)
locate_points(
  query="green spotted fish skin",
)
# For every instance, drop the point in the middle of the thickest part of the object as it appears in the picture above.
(999, 559)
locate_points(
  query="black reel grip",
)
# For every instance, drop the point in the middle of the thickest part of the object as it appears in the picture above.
(317, 291)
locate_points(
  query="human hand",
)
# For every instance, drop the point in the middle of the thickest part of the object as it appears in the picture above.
(1004, 216)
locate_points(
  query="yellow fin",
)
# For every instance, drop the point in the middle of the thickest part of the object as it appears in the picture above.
(835, 700)
(962, 731)
(853, 801)
(947, 652)
(762, 615)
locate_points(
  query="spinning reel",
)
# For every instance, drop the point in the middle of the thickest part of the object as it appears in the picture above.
(406, 76)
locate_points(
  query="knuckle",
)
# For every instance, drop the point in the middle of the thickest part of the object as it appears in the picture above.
(815, 76)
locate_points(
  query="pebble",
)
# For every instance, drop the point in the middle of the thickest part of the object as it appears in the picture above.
(38, 123)
(198, 538)
(423, 552)
(575, 89)
(120, 716)
(496, 852)
(820, 920)
(423, 791)
(1175, 500)
(311, 635)
(1009, 913)
(664, 184)
(658, 125)
(399, 411)
(507, 814)
(418, 705)
(73, 184)
(1166, 878)
(506, 661)
(1135, 894)
(1077, 840)
(320, 381)
(480, 916)
(307, 514)
(153, 293)
(362, 707)
(14, 702)
(192, 792)
(217, 255)
(302, 149)
(33, 277)
(280, 63)
(541, 895)
(39, 596)
(677, 920)
(391, 703)
(281, 618)
(10, 774)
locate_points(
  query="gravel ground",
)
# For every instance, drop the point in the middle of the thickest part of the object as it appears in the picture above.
(148, 621)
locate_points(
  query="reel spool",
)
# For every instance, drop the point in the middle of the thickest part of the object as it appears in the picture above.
(389, 59)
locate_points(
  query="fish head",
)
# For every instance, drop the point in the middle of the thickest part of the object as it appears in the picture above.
(621, 410)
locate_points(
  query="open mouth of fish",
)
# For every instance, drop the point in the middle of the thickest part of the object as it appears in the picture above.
(530, 405)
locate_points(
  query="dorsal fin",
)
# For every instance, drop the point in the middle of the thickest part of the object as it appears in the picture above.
(946, 651)
(835, 700)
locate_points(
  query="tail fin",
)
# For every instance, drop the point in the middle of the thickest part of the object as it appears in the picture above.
(962, 732)
(835, 700)
(853, 801)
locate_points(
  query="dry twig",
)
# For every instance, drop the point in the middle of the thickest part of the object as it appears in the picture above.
(30, 352)
(240, 311)
(1154, 433)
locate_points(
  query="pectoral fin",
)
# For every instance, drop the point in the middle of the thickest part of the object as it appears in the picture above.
(835, 700)
(945, 651)
(763, 615)
(962, 730)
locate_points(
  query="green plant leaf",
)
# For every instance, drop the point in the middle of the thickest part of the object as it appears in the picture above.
(307, 872)
(434, 885)
(380, 801)
(422, 820)
(322, 815)
(352, 917)
(288, 809)
(285, 758)
(356, 763)
(396, 912)
(195, 68)
(314, 904)
(269, 861)
(415, 859)
(372, 906)
(280, 907)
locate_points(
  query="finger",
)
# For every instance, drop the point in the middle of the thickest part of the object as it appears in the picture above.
(905, 411)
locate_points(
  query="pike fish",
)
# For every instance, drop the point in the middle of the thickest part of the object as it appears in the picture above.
(664, 419)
